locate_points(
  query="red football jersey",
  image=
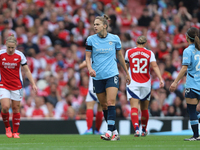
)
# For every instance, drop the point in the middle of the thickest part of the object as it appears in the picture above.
(10, 67)
(139, 60)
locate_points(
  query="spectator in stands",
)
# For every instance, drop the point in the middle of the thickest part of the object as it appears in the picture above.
(29, 44)
(62, 106)
(145, 19)
(70, 74)
(184, 15)
(152, 35)
(77, 99)
(127, 41)
(161, 96)
(179, 41)
(76, 52)
(126, 109)
(48, 58)
(39, 111)
(80, 14)
(84, 85)
(180, 108)
(169, 67)
(32, 11)
(21, 36)
(52, 22)
(27, 20)
(59, 64)
(99, 8)
(41, 40)
(163, 51)
(126, 19)
(69, 60)
(113, 26)
(9, 16)
(176, 59)
(175, 23)
(33, 63)
(135, 33)
(64, 34)
(171, 111)
(119, 113)
(80, 32)
(155, 109)
(69, 25)
(116, 5)
(71, 114)
(52, 98)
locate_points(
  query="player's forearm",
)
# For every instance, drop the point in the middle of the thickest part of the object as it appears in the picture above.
(88, 62)
(122, 61)
(157, 71)
(127, 66)
(82, 65)
(30, 78)
(181, 74)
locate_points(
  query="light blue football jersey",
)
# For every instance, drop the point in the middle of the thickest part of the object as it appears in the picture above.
(103, 55)
(191, 58)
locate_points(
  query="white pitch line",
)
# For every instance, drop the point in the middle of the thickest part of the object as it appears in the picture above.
(20, 143)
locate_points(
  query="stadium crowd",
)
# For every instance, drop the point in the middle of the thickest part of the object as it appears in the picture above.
(52, 35)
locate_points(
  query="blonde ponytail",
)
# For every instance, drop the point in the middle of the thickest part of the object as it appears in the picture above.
(11, 39)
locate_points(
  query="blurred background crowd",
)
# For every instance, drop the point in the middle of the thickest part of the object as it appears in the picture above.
(52, 35)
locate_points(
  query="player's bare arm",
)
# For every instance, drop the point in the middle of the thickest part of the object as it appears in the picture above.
(157, 71)
(127, 66)
(83, 64)
(180, 75)
(122, 62)
(91, 71)
(29, 76)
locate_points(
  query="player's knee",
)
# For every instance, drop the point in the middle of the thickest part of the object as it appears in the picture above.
(15, 109)
(5, 109)
(111, 102)
(104, 106)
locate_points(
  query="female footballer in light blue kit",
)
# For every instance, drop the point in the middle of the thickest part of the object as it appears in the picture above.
(103, 48)
(191, 64)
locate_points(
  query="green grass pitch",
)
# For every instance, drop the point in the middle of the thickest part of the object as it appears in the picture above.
(93, 142)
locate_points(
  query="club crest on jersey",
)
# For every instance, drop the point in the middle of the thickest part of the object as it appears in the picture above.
(110, 43)
(116, 79)
(15, 59)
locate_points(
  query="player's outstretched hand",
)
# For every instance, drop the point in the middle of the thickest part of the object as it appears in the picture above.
(92, 73)
(173, 87)
(34, 87)
(128, 79)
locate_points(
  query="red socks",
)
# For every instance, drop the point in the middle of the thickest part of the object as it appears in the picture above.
(99, 117)
(89, 118)
(16, 122)
(134, 118)
(5, 117)
(144, 119)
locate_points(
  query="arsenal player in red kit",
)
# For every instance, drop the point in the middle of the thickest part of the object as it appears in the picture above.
(11, 61)
(139, 60)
